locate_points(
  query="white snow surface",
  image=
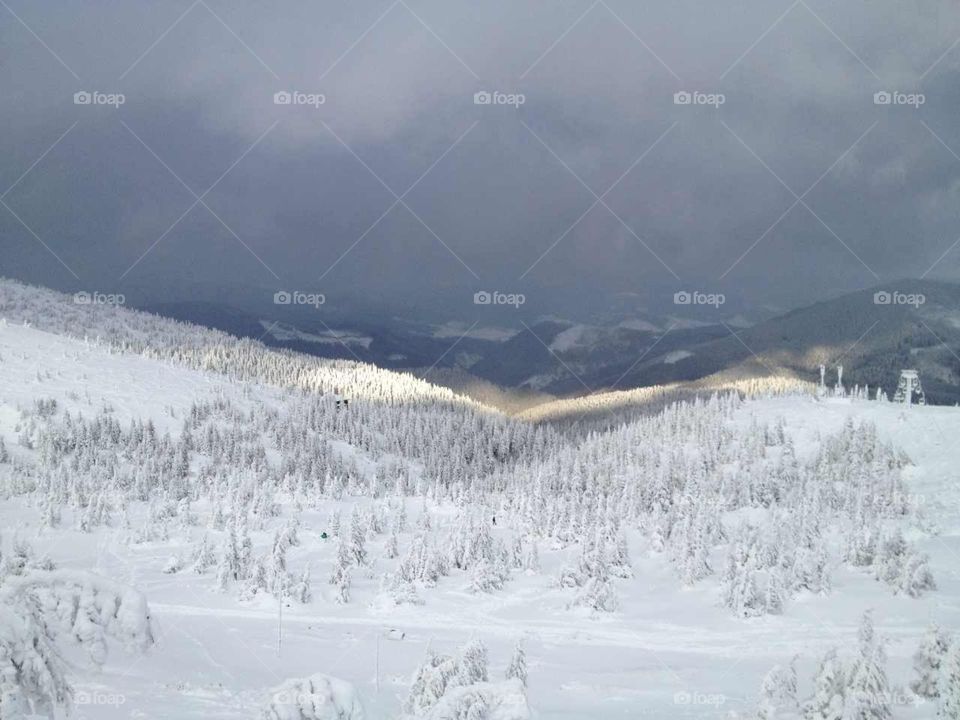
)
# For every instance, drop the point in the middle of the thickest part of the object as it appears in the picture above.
(669, 651)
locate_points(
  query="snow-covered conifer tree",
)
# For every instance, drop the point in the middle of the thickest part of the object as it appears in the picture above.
(778, 692)
(390, 547)
(472, 663)
(203, 556)
(358, 538)
(868, 691)
(915, 575)
(35, 607)
(928, 662)
(949, 707)
(277, 578)
(301, 590)
(829, 691)
(517, 669)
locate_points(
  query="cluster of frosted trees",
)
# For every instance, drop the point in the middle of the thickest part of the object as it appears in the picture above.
(450, 687)
(667, 481)
(202, 348)
(454, 686)
(42, 609)
(675, 476)
(860, 689)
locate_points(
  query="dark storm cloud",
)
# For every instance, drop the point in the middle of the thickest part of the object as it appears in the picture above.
(599, 183)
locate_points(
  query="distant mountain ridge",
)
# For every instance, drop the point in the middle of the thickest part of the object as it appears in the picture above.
(873, 333)
(873, 336)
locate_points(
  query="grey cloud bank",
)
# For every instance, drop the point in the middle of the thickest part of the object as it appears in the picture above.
(402, 189)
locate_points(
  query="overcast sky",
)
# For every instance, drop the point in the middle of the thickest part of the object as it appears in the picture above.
(400, 188)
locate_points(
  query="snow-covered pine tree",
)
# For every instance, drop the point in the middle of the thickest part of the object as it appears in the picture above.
(340, 577)
(203, 556)
(531, 559)
(430, 683)
(341, 563)
(619, 556)
(915, 575)
(778, 692)
(829, 691)
(517, 669)
(276, 567)
(301, 590)
(34, 607)
(401, 590)
(888, 564)
(390, 548)
(928, 662)
(598, 593)
(868, 691)
(775, 592)
(485, 578)
(358, 538)
(949, 707)
(472, 663)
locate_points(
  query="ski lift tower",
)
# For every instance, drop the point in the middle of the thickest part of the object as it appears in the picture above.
(908, 386)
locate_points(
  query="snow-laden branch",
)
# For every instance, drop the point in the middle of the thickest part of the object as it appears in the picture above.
(37, 609)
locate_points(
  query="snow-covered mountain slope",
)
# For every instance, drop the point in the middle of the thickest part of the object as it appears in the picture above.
(89, 377)
(392, 554)
(206, 349)
(606, 410)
